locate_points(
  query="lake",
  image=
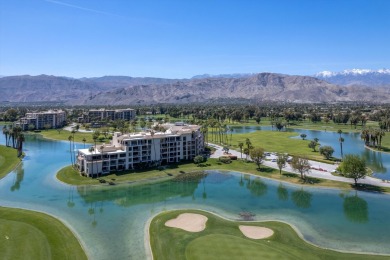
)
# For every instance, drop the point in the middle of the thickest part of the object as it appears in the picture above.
(110, 220)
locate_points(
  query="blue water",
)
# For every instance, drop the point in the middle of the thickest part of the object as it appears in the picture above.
(377, 161)
(110, 220)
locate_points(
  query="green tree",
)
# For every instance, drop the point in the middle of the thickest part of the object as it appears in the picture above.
(11, 115)
(301, 165)
(327, 151)
(312, 145)
(303, 136)
(281, 161)
(354, 167)
(198, 159)
(257, 155)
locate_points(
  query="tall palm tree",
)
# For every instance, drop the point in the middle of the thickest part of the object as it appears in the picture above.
(70, 149)
(6, 133)
(95, 137)
(341, 140)
(241, 144)
(73, 153)
(248, 145)
(84, 140)
(91, 149)
(20, 141)
(154, 147)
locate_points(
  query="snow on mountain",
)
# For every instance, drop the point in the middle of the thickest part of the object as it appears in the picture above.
(365, 77)
(324, 74)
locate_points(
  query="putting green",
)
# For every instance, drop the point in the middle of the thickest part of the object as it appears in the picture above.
(222, 239)
(27, 234)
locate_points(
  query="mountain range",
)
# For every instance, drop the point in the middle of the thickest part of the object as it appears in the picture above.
(361, 77)
(122, 90)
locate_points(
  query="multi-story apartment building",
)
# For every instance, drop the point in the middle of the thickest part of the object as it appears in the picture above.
(132, 151)
(103, 114)
(41, 120)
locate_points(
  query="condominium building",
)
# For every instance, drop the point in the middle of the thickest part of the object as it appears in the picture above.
(138, 150)
(107, 114)
(42, 120)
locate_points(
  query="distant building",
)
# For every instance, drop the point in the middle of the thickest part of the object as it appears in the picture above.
(132, 151)
(42, 120)
(102, 114)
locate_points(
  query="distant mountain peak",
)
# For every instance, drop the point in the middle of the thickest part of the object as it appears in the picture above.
(365, 77)
(352, 72)
(228, 76)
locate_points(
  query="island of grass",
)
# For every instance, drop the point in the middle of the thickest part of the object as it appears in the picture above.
(72, 176)
(222, 239)
(8, 160)
(26, 234)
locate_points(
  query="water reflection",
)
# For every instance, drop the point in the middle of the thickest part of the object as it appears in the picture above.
(301, 198)
(256, 187)
(70, 202)
(374, 160)
(355, 209)
(18, 178)
(127, 196)
(282, 192)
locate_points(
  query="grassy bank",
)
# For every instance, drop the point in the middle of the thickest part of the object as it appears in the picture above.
(275, 141)
(71, 176)
(8, 160)
(32, 235)
(222, 239)
(64, 135)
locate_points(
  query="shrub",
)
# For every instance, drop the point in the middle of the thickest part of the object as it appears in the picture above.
(225, 159)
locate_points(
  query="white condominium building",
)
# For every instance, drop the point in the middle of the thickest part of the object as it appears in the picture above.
(140, 150)
(110, 114)
(42, 120)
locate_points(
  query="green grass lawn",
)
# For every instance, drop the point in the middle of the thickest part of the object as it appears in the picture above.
(27, 234)
(222, 239)
(71, 176)
(275, 141)
(64, 135)
(8, 160)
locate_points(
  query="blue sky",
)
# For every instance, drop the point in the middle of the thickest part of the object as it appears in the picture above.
(179, 39)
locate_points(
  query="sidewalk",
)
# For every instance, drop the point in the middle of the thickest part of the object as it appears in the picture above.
(324, 174)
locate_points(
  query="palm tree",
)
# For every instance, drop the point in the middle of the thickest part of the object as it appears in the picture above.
(341, 140)
(91, 149)
(70, 149)
(20, 144)
(248, 145)
(73, 153)
(6, 133)
(84, 140)
(95, 137)
(154, 147)
(241, 144)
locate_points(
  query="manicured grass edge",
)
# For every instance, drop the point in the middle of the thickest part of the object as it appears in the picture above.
(58, 222)
(14, 164)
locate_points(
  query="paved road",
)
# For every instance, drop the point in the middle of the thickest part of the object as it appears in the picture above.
(71, 127)
(324, 174)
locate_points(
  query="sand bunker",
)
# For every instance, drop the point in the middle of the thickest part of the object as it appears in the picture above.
(189, 222)
(256, 232)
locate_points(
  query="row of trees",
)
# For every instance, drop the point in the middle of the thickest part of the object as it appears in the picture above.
(14, 137)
